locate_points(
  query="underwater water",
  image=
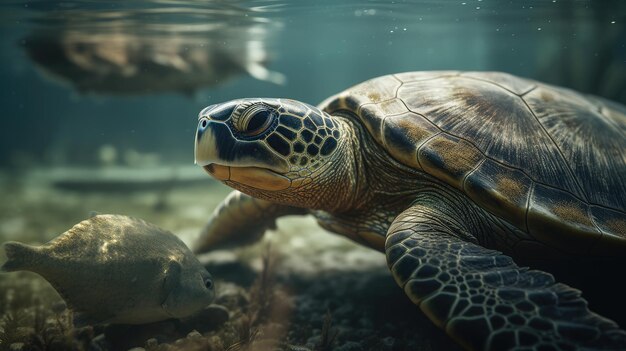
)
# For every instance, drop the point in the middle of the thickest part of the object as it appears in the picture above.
(319, 49)
(100, 101)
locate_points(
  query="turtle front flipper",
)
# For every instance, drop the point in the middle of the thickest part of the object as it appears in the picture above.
(239, 220)
(480, 297)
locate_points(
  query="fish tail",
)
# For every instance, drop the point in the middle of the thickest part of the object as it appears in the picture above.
(19, 256)
(255, 64)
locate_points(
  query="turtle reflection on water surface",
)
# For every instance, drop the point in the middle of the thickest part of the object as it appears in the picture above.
(118, 269)
(135, 55)
(439, 170)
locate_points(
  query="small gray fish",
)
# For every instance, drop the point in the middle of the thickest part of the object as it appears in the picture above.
(118, 269)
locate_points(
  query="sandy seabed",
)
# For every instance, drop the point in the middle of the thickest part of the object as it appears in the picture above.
(300, 288)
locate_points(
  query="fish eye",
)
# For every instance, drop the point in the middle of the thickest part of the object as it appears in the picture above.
(255, 120)
(208, 283)
(203, 122)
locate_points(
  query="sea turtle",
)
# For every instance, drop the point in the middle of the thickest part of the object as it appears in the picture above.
(450, 174)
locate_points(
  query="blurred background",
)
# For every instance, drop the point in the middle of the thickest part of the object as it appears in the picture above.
(99, 104)
(116, 82)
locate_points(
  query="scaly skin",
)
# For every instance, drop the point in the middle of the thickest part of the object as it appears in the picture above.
(480, 297)
(240, 219)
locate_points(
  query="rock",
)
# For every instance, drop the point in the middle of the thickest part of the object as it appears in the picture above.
(230, 295)
(194, 335)
(85, 334)
(208, 319)
(99, 343)
(123, 337)
(349, 346)
(298, 348)
(314, 340)
(151, 343)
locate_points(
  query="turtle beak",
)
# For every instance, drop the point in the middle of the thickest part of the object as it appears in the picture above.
(206, 143)
(216, 144)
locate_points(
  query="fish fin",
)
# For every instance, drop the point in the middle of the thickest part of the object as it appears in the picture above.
(256, 59)
(81, 319)
(172, 279)
(19, 256)
(260, 72)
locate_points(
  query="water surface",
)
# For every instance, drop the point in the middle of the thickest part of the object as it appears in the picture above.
(189, 54)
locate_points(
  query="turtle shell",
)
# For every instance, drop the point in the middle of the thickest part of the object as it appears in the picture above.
(549, 160)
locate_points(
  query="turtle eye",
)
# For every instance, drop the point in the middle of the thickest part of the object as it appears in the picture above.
(208, 283)
(255, 120)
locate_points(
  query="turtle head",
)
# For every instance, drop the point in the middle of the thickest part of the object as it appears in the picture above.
(275, 149)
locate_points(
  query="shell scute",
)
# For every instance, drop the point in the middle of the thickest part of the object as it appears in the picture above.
(613, 227)
(375, 90)
(404, 134)
(370, 115)
(500, 190)
(392, 107)
(509, 82)
(370, 118)
(558, 218)
(498, 122)
(611, 110)
(548, 160)
(449, 158)
(424, 75)
(371, 91)
(589, 140)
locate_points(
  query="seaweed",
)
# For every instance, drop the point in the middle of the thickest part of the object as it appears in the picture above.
(328, 335)
(10, 330)
(30, 320)
(246, 334)
(263, 322)
(263, 290)
(250, 327)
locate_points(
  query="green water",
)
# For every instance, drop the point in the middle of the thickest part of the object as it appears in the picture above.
(162, 61)
(99, 111)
